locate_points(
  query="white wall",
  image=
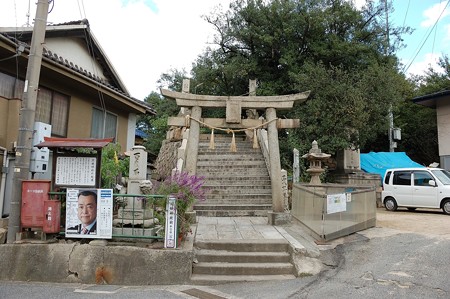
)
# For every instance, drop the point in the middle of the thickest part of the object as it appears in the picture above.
(443, 124)
(75, 51)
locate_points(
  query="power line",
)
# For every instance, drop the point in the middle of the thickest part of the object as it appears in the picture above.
(406, 13)
(405, 69)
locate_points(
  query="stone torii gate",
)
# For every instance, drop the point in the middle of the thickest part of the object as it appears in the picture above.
(233, 121)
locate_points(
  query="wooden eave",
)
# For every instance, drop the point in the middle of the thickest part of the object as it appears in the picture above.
(67, 143)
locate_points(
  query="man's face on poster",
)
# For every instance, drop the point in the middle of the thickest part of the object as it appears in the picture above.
(87, 209)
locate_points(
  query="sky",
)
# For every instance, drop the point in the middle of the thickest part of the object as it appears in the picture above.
(145, 38)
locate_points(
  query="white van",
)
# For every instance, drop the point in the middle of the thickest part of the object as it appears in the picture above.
(416, 188)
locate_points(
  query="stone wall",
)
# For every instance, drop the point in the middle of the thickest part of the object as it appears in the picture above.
(72, 262)
(167, 159)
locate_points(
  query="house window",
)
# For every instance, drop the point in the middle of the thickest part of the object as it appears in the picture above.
(53, 108)
(104, 124)
(6, 86)
(11, 87)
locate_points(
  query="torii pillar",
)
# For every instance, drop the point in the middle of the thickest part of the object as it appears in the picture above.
(274, 159)
(194, 134)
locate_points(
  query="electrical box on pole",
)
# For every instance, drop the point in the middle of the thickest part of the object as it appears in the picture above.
(40, 156)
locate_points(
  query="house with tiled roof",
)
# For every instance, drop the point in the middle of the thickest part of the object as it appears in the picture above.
(80, 93)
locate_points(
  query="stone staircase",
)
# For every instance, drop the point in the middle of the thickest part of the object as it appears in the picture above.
(222, 261)
(239, 182)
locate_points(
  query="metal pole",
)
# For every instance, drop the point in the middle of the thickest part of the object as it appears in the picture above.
(27, 117)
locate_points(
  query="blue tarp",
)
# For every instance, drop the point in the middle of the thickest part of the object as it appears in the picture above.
(379, 162)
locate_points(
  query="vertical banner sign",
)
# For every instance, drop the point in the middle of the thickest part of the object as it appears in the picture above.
(170, 240)
(89, 213)
(105, 213)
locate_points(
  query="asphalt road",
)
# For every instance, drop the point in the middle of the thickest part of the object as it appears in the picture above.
(405, 256)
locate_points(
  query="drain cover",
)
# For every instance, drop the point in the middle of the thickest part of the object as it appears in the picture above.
(99, 289)
(201, 294)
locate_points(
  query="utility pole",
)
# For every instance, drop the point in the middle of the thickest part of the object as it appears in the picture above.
(392, 144)
(27, 117)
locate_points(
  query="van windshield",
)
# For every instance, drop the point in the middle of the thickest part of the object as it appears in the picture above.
(442, 175)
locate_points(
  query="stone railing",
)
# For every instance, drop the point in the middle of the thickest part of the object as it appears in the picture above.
(264, 144)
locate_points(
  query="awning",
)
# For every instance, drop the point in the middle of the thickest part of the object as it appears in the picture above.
(55, 142)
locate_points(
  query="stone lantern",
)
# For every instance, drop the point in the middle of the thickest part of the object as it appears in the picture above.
(315, 158)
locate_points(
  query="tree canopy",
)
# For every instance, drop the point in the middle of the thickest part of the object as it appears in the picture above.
(342, 54)
(338, 52)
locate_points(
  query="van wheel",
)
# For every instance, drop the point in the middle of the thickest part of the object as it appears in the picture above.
(446, 206)
(391, 205)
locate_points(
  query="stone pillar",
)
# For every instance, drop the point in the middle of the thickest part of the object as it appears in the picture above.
(275, 164)
(285, 188)
(137, 173)
(193, 141)
(252, 88)
(135, 212)
(296, 166)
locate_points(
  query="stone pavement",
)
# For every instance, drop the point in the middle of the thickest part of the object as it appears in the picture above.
(254, 228)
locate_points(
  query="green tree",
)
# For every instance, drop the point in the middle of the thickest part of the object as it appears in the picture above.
(155, 126)
(113, 166)
(338, 52)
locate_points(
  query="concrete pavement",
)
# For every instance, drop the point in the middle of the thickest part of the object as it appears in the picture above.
(254, 228)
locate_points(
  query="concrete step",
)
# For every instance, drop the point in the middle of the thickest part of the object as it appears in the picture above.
(201, 279)
(238, 188)
(266, 245)
(218, 268)
(220, 261)
(230, 170)
(226, 144)
(226, 150)
(241, 198)
(224, 184)
(210, 206)
(239, 172)
(257, 196)
(248, 198)
(226, 158)
(218, 137)
(255, 179)
(223, 256)
(225, 153)
(238, 182)
(232, 163)
(232, 213)
(248, 177)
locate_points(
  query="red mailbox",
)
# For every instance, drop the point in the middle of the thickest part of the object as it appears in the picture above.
(34, 193)
(52, 220)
